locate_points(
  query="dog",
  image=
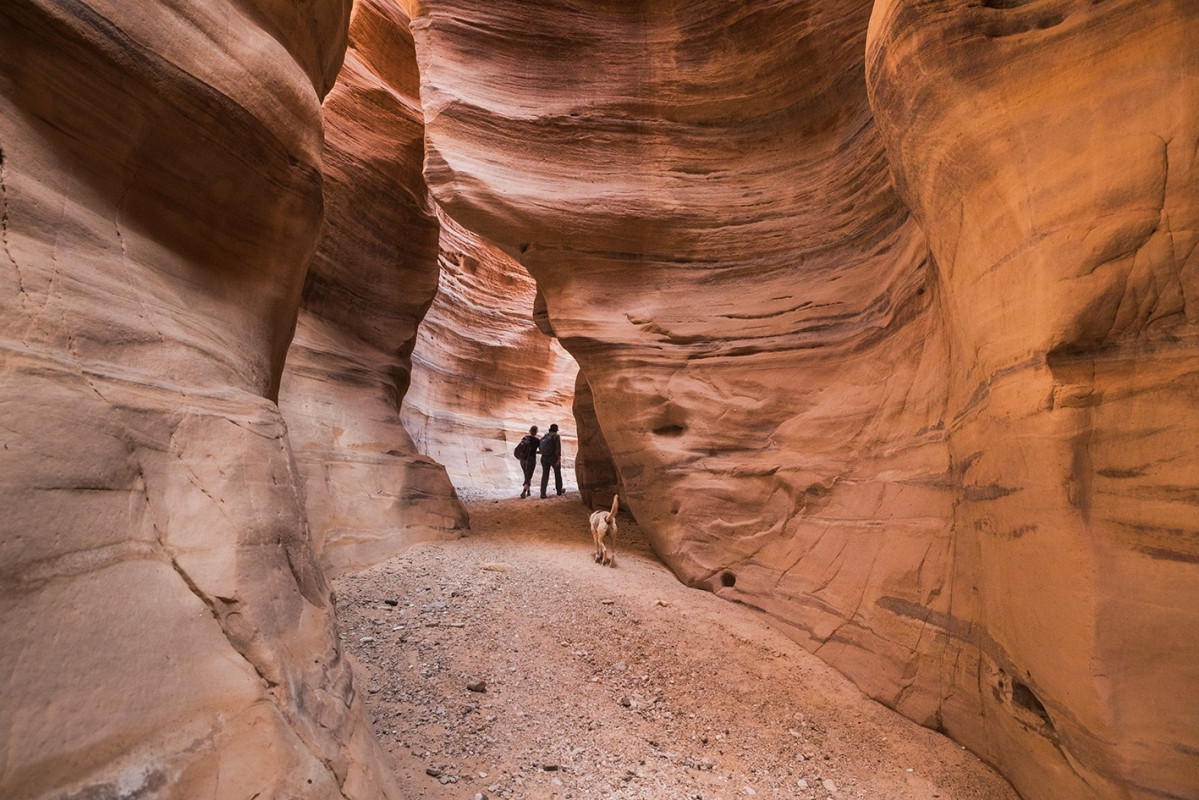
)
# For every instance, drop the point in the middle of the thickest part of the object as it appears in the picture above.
(603, 532)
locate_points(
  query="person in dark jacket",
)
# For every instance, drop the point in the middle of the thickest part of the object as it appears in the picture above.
(528, 464)
(551, 458)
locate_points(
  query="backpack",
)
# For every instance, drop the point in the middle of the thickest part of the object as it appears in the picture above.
(524, 450)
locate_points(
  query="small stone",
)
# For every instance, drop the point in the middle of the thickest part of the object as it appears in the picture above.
(366, 640)
(803, 784)
(550, 767)
(477, 686)
(433, 772)
(749, 791)
(828, 785)
(392, 602)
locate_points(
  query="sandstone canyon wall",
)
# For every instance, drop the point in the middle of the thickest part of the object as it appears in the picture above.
(943, 435)
(370, 493)
(481, 372)
(1049, 152)
(167, 630)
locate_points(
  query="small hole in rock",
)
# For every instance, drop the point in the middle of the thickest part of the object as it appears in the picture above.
(1023, 697)
(727, 579)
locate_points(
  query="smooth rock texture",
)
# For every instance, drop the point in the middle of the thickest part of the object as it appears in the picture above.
(370, 493)
(167, 630)
(482, 372)
(949, 480)
(1048, 149)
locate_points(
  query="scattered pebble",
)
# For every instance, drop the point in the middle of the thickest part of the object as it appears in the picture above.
(595, 702)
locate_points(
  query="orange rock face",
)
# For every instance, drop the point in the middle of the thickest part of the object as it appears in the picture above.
(944, 446)
(167, 631)
(369, 493)
(1048, 149)
(885, 316)
(482, 373)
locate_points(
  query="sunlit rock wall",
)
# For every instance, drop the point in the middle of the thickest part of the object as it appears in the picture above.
(370, 494)
(482, 373)
(744, 292)
(167, 632)
(808, 412)
(1049, 150)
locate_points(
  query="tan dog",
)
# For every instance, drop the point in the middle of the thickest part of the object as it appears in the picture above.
(603, 531)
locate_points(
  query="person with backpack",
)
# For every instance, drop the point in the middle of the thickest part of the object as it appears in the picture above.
(551, 458)
(526, 454)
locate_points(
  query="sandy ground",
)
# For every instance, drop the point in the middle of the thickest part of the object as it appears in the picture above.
(508, 664)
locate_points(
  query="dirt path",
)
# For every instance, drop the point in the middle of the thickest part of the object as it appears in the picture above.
(509, 665)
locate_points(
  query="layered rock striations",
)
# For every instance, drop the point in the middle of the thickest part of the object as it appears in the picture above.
(896, 432)
(482, 373)
(1048, 150)
(370, 493)
(747, 297)
(167, 629)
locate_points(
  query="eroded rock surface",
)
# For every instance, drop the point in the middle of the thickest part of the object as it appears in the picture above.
(1048, 149)
(167, 630)
(370, 493)
(482, 373)
(917, 464)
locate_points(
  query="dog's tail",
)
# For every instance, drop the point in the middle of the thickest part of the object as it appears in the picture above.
(615, 503)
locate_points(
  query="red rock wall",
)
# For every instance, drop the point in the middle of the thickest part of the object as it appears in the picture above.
(482, 373)
(167, 631)
(370, 493)
(1048, 149)
(876, 439)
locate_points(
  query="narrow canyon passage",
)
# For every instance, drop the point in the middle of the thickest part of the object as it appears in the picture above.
(508, 664)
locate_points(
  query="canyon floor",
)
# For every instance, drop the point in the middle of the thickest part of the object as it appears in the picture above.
(508, 664)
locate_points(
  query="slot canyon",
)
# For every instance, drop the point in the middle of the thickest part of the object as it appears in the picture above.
(882, 318)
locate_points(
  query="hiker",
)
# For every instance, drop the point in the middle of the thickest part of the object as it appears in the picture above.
(526, 453)
(551, 458)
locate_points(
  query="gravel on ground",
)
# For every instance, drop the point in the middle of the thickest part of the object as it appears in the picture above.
(508, 664)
